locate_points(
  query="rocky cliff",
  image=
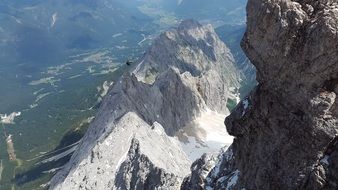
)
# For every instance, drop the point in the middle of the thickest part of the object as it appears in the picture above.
(286, 129)
(131, 144)
(196, 49)
(124, 141)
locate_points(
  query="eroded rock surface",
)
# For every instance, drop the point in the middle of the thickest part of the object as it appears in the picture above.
(286, 130)
(170, 101)
(130, 144)
(194, 48)
(212, 172)
(134, 155)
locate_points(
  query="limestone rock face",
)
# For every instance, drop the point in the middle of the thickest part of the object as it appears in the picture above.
(193, 48)
(200, 169)
(133, 155)
(213, 172)
(138, 172)
(169, 101)
(286, 130)
(210, 171)
(130, 144)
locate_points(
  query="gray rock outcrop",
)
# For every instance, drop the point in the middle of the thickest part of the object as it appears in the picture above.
(130, 144)
(212, 172)
(133, 155)
(138, 172)
(169, 101)
(194, 48)
(286, 130)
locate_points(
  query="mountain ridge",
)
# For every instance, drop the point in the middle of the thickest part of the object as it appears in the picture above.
(174, 99)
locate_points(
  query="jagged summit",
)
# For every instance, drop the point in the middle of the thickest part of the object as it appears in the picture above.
(191, 47)
(196, 49)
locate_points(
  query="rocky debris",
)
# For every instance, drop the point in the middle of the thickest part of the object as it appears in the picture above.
(193, 48)
(200, 169)
(225, 174)
(213, 172)
(149, 177)
(286, 130)
(133, 155)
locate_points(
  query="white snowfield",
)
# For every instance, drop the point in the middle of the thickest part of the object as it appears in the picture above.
(206, 134)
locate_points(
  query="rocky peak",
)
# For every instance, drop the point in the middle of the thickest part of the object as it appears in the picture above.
(196, 49)
(132, 138)
(191, 47)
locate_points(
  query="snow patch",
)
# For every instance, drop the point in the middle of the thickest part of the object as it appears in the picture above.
(206, 134)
